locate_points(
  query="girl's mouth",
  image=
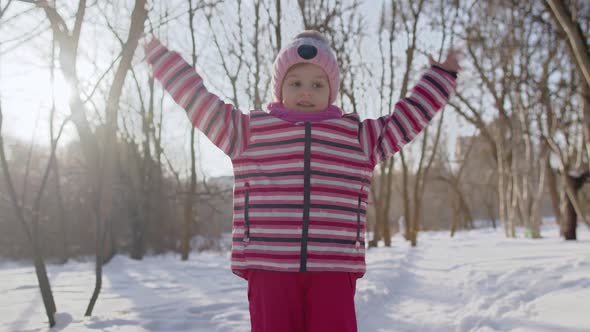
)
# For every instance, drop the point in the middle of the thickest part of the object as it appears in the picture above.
(304, 104)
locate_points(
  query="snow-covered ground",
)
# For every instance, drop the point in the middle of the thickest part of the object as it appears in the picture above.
(478, 281)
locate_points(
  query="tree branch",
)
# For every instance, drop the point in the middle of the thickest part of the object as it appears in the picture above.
(574, 34)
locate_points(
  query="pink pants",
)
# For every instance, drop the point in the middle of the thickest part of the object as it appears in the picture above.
(301, 302)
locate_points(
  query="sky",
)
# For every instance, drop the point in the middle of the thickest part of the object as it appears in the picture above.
(25, 90)
(478, 281)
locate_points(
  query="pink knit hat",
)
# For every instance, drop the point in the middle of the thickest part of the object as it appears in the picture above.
(307, 47)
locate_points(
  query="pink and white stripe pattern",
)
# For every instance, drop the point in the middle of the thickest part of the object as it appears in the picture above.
(301, 189)
(385, 136)
(273, 216)
(224, 125)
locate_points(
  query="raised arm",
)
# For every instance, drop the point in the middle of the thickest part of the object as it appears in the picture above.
(385, 136)
(223, 124)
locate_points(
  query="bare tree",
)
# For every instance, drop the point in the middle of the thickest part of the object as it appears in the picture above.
(191, 193)
(428, 154)
(383, 178)
(144, 179)
(19, 211)
(231, 56)
(501, 130)
(191, 196)
(140, 174)
(559, 120)
(410, 17)
(528, 171)
(461, 209)
(32, 230)
(101, 163)
(492, 45)
(108, 161)
(569, 28)
(514, 53)
(575, 35)
(4, 8)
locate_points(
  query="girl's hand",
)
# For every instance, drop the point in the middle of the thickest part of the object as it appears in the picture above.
(145, 39)
(144, 45)
(451, 63)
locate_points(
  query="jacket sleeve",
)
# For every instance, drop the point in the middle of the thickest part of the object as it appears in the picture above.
(222, 123)
(385, 136)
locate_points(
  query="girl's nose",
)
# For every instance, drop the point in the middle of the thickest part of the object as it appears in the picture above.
(306, 92)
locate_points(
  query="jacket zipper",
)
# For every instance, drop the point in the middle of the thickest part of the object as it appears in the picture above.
(306, 196)
(246, 221)
(357, 244)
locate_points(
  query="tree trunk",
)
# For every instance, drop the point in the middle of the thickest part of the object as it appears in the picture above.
(553, 191)
(44, 286)
(97, 267)
(376, 199)
(137, 235)
(455, 221)
(381, 190)
(388, 184)
(537, 199)
(382, 201)
(110, 244)
(55, 166)
(464, 208)
(586, 109)
(570, 222)
(406, 197)
(187, 229)
(63, 216)
(187, 224)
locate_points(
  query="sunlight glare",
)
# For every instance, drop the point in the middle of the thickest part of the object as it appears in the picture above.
(62, 91)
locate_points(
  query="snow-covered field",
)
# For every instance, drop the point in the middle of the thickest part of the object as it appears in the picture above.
(478, 281)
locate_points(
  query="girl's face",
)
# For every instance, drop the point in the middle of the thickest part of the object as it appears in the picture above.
(306, 88)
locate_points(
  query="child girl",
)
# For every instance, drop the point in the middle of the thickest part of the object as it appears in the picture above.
(302, 178)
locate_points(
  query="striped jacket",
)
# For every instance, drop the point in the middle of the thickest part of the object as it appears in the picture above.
(301, 189)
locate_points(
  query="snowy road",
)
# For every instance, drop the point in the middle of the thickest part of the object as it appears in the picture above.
(478, 281)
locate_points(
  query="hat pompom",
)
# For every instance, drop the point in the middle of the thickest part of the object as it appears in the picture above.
(313, 34)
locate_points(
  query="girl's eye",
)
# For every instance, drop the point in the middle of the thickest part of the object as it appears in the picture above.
(318, 85)
(296, 83)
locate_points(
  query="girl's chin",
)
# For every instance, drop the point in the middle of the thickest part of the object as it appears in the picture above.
(298, 108)
(307, 110)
